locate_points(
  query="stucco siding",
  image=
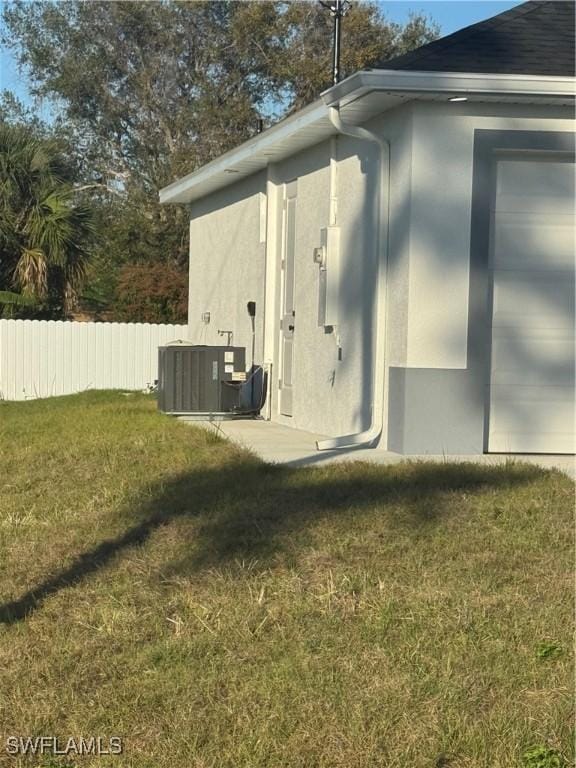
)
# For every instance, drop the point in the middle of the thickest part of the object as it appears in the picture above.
(440, 215)
(332, 393)
(397, 128)
(227, 252)
(431, 178)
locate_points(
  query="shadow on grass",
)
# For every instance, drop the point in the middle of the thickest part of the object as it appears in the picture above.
(248, 510)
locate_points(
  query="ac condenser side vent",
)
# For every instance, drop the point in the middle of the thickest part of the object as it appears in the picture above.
(194, 379)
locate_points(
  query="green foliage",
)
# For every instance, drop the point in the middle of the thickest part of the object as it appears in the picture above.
(168, 86)
(144, 93)
(290, 44)
(10, 301)
(44, 233)
(14, 112)
(16, 299)
(151, 293)
(541, 756)
(548, 650)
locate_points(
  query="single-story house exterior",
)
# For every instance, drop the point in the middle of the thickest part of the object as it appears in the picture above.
(408, 240)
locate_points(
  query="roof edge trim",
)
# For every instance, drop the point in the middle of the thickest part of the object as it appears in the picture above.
(354, 87)
(256, 145)
(408, 81)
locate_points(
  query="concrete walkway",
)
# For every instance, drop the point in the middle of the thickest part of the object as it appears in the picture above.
(276, 443)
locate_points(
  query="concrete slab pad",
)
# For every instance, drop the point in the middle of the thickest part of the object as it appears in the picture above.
(279, 444)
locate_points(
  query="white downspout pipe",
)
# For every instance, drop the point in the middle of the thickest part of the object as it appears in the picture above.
(369, 436)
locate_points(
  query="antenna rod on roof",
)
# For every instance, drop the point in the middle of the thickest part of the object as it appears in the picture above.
(338, 9)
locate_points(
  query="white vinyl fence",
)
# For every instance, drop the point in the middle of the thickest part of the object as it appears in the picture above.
(42, 358)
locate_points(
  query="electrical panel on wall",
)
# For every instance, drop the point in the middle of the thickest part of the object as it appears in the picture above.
(327, 256)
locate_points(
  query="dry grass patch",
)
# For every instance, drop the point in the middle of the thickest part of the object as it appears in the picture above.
(162, 585)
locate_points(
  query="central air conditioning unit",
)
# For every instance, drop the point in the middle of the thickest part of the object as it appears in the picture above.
(200, 381)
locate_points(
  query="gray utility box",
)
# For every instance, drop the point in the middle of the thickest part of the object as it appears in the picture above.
(200, 379)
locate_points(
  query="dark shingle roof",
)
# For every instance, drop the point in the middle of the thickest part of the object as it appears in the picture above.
(535, 38)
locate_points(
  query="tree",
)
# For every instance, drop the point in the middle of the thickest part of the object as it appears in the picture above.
(145, 92)
(10, 301)
(44, 234)
(152, 90)
(289, 45)
(151, 293)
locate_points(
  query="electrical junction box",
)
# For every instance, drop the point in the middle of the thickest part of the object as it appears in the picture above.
(327, 256)
(200, 380)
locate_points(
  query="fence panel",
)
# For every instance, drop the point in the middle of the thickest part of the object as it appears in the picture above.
(43, 358)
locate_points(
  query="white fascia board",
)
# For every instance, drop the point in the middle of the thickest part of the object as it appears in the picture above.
(453, 83)
(255, 149)
(286, 137)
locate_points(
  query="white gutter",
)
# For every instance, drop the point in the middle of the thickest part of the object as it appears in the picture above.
(258, 148)
(450, 83)
(369, 436)
(311, 125)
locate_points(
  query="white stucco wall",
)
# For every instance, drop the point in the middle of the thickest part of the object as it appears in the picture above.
(333, 395)
(440, 216)
(431, 165)
(227, 253)
(227, 268)
(398, 127)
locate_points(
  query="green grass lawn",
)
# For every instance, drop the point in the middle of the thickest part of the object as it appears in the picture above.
(159, 584)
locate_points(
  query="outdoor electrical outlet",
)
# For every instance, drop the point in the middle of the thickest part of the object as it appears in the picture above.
(319, 256)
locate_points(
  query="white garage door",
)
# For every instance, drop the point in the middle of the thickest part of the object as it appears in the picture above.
(532, 374)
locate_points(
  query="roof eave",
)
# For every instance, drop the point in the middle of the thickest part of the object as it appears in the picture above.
(256, 153)
(254, 146)
(468, 83)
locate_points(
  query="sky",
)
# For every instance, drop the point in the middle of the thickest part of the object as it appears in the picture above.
(449, 14)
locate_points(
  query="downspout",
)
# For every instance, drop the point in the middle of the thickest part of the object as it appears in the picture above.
(369, 436)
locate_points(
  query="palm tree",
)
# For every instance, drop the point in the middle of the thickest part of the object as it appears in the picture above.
(10, 301)
(44, 235)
